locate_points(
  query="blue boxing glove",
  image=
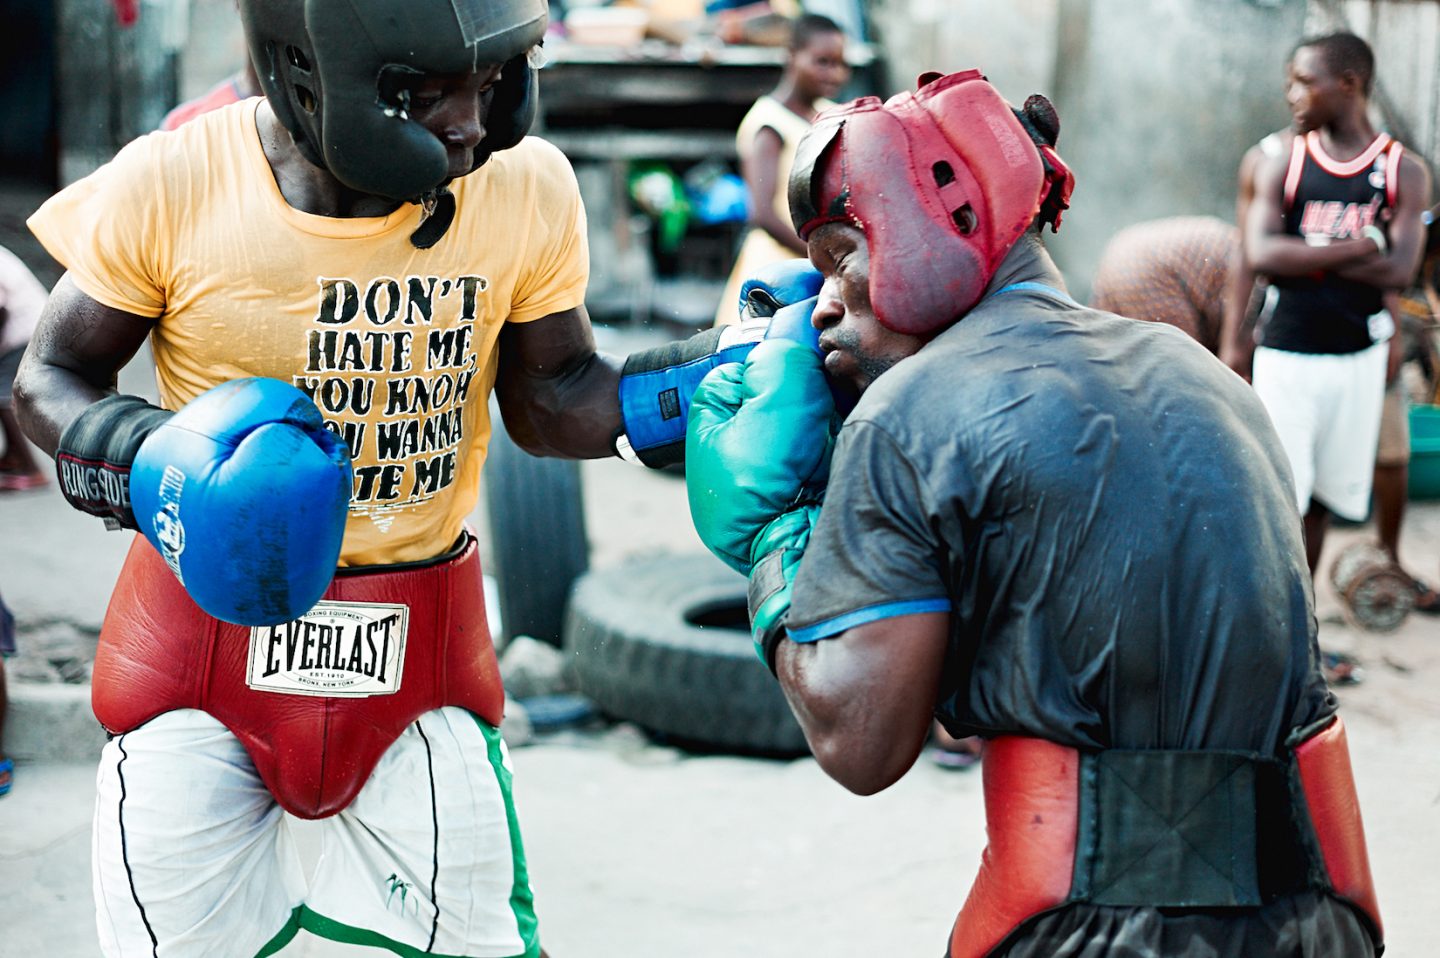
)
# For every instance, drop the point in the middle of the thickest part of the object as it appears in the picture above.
(656, 384)
(244, 492)
(793, 323)
(757, 456)
(778, 285)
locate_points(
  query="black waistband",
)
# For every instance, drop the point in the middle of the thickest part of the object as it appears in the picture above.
(451, 553)
(1191, 829)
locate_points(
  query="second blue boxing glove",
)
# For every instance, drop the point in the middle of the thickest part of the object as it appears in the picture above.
(777, 285)
(656, 385)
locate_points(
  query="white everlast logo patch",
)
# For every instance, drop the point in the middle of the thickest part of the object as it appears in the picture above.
(337, 648)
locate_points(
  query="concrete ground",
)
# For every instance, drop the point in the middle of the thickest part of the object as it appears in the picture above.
(642, 850)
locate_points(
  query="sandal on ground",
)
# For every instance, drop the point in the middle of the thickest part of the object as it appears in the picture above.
(21, 481)
(963, 754)
(1341, 669)
(1427, 600)
(953, 761)
(7, 775)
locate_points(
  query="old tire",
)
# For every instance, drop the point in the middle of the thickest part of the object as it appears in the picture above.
(537, 533)
(665, 643)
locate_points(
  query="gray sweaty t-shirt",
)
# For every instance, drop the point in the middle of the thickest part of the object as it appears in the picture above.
(1104, 509)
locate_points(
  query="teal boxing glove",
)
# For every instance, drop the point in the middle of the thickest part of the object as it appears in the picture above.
(778, 551)
(759, 437)
(793, 322)
(757, 456)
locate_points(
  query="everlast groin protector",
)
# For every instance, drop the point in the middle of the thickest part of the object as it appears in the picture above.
(338, 75)
(942, 181)
(316, 702)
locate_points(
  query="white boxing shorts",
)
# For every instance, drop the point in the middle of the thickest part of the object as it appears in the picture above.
(1326, 408)
(193, 857)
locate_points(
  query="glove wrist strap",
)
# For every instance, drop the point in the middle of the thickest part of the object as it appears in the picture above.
(96, 452)
(771, 583)
(656, 387)
(625, 450)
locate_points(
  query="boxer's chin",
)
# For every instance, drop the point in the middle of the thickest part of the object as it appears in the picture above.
(459, 163)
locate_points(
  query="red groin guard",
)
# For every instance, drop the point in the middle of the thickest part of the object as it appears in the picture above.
(315, 702)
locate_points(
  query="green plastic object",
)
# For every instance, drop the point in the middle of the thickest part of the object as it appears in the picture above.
(1424, 422)
(1424, 452)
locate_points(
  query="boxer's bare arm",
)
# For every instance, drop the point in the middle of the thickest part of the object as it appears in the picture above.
(865, 698)
(78, 349)
(558, 395)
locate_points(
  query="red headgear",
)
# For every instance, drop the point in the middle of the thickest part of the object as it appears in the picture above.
(942, 181)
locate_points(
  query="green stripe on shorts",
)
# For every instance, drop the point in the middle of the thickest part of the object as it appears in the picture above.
(334, 930)
(522, 900)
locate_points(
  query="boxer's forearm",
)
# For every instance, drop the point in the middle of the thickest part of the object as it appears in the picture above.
(558, 395)
(74, 357)
(48, 398)
(574, 415)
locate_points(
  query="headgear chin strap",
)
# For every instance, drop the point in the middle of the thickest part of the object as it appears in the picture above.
(337, 73)
(942, 181)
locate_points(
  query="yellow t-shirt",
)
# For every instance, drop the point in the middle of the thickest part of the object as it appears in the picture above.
(396, 345)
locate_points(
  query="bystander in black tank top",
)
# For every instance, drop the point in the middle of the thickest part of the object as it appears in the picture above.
(1328, 200)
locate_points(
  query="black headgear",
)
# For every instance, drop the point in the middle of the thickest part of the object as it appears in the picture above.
(337, 73)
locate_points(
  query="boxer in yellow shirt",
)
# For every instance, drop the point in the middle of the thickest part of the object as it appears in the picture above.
(333, 279)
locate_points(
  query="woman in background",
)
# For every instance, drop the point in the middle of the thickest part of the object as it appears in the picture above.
(815, 70)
